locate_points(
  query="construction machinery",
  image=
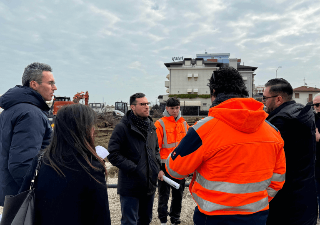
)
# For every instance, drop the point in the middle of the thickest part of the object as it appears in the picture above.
(121, 108)
(58, 102)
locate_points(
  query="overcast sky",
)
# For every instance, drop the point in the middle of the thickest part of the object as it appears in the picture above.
(116, 48)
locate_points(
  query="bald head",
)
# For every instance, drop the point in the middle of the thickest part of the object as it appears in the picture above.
(316, 100)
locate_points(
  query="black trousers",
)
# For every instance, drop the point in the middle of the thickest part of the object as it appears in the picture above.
(164, 193)
(258, 218)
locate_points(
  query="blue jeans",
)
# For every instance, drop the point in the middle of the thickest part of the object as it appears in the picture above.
(259, 218)
(136, 210)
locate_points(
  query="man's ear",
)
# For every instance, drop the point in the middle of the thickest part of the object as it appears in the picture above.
(34, 85)
(279, 100)
(131, 107)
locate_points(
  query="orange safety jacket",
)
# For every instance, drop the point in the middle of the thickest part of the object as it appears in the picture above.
(170, 132)
(237, 158)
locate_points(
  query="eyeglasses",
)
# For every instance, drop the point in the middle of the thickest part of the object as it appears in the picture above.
(264, 98)
(316, 105)
(52, 83)
(143, 104)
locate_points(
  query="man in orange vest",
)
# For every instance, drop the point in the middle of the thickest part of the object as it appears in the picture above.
(237, 157)
(170, 130)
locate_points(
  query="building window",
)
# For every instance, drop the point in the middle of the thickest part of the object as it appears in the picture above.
(204, 104)
(178, 91)
(296, 95)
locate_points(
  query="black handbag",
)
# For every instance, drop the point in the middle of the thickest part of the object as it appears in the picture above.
(19, 209)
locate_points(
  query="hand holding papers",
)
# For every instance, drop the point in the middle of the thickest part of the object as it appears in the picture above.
(101, 151)
(171, 182)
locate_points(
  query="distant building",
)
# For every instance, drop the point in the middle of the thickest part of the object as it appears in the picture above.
(304, 94)
(188, 79)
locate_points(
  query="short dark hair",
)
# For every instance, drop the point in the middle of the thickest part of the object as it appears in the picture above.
(227, 80)
(34, 72)
(173, 101)
(135, 96)
(280, 86)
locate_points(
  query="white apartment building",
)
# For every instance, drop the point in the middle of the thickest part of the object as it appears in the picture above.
(191, 76)
(304, 94)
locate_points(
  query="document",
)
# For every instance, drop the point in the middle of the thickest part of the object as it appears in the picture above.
(101, 151)
(171, 182)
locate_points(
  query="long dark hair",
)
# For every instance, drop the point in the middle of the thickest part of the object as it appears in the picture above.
(73, 139)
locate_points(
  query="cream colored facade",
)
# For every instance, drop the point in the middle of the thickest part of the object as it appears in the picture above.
(303, 97)
(191, 76)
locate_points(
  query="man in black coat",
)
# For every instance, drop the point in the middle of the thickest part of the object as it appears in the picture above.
(134, 149)
(296, 202)
(316, 106)
(24, 126)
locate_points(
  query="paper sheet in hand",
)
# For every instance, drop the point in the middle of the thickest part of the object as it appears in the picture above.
(101, 151)
(171, 182)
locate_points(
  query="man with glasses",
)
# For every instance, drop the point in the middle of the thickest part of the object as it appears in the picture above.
(316, 107)
(296, 203)
(134, 149)
(24, 126)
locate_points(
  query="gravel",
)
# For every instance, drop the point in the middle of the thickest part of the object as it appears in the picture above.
(188, 206)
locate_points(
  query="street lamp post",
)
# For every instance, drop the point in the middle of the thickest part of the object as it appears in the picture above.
(277, 71)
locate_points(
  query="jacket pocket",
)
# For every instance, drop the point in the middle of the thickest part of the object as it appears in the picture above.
(141, 170)
(154, 168)
(170, 135)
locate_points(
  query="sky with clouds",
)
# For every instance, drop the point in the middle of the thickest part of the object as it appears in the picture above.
(116, 48)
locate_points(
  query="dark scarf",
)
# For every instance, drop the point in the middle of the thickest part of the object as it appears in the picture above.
(223, 97)
(140, 123)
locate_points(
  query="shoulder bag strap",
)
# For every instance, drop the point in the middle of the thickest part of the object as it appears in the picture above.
(37, 170)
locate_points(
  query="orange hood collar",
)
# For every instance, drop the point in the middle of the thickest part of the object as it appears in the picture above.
(243, 114)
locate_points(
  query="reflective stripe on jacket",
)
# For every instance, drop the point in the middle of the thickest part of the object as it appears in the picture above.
(170, 132)
(236, 156)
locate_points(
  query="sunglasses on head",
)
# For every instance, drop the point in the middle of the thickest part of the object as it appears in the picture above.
(316, 105)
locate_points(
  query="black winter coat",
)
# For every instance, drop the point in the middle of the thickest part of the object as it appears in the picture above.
(137, 158)
(317, 120)
(296, 202)
(24, 130)
(75, 199)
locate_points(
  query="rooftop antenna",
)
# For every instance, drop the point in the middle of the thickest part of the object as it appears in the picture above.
(304, 81)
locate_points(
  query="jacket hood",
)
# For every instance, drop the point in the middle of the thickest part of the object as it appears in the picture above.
(293, 110)
(22, 94)
(243, 114)
(166, 114)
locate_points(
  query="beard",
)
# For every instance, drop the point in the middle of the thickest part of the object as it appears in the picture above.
(271, 107)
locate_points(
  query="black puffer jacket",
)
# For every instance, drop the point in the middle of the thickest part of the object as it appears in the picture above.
(296, 202)
(137, 158)
(24, 130)
(317, 119)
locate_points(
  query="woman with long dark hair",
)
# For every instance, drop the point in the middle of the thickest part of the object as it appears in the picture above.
(71, 185)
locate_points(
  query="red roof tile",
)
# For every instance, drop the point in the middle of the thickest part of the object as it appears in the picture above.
(306, 89)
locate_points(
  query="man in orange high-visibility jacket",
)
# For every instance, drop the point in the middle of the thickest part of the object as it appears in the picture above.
(237, 157)
(170, 130)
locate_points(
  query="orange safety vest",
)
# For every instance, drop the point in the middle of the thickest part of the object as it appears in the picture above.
(170, 132)
(237, 158)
